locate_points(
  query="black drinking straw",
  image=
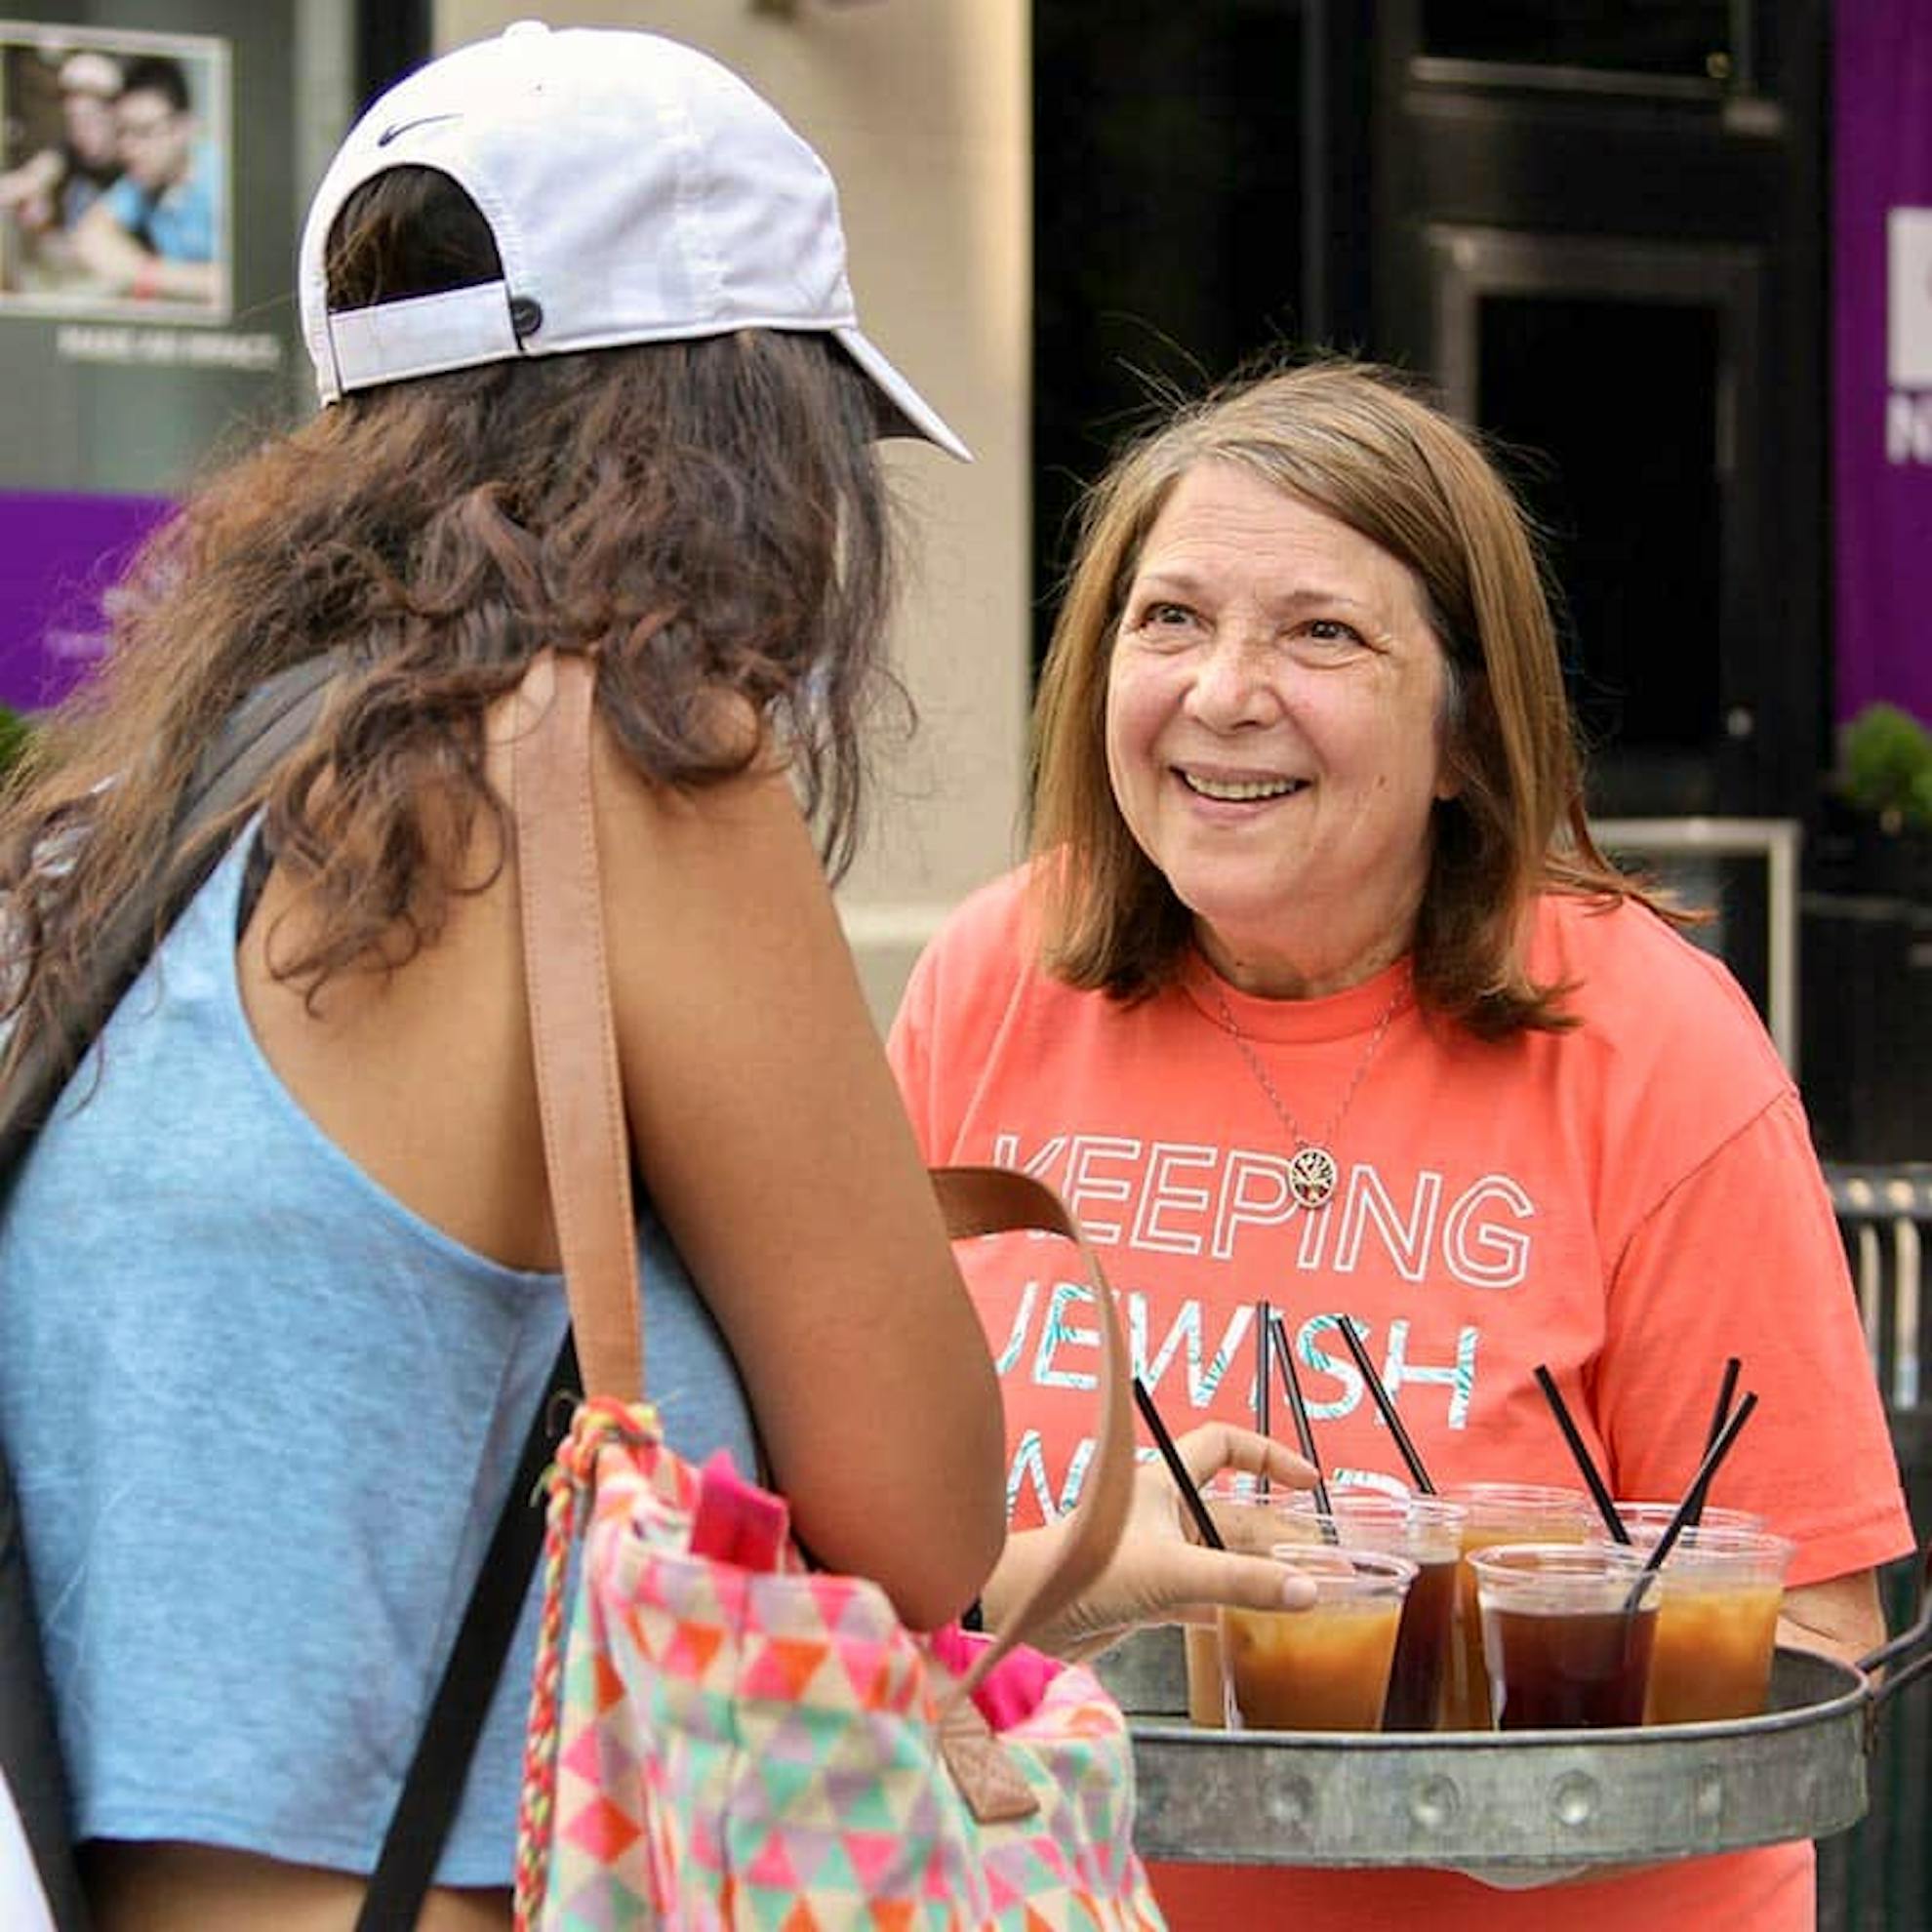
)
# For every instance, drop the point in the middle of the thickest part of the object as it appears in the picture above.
(1726, 1388)
(1291, 1382)
(1382, 1401)
(1694, 1495)
(1263, 1335)
(1598, 1494)
(1176, 1467)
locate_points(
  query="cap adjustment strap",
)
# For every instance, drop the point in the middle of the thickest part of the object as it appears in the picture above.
(424, 334)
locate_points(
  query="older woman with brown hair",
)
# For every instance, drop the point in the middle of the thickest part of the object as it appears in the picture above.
(1316, 990)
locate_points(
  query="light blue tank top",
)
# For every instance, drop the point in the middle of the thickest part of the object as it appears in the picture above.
(262, 1418)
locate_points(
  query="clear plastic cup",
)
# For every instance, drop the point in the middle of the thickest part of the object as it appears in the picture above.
(1325, 1667)
(1567, 1634)
(1249, 1515)
(1429, 1532)
(1716, 1624)
(1646, 1522)
(1497, 1512)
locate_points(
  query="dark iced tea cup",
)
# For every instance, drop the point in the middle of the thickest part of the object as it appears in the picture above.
(1497, 1512)
(1567, 1634)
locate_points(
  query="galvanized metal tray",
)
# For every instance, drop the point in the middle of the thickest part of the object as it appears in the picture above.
(1505, 1806)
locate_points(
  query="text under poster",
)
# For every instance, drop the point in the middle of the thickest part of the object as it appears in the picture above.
(1882, 165)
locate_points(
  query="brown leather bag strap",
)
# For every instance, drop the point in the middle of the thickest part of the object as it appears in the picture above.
(586, 1148)
(587, 1145)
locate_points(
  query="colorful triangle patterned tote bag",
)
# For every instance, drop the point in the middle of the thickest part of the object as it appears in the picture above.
(721, 1737)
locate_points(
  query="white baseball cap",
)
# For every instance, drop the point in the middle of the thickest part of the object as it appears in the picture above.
(637, 193)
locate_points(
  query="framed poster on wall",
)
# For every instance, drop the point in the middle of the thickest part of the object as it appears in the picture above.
(155, 158)
(116, 173)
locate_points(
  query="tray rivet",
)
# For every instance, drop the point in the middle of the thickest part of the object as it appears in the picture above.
(1574, 1800)
(1291, 1804)
(1436, 1803)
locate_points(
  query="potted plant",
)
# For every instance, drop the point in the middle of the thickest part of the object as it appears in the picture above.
(16, 732)
(1885, 776)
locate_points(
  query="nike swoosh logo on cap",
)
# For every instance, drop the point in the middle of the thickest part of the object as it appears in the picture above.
(400, 128)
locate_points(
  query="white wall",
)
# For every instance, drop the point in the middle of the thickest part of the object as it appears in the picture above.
(920, 108)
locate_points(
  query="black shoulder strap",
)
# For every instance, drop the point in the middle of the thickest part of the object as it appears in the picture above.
(274, 719)
(263, 730)
(440, 1768)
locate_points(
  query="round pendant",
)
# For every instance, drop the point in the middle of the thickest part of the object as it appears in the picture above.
(1312, 1178)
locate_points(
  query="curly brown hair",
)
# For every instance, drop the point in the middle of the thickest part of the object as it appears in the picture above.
(707, 518)
(1352, 441)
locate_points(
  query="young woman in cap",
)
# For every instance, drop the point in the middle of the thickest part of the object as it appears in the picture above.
(277, 1282)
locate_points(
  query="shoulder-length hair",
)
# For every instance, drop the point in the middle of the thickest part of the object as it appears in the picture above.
(1353, 441)
(707, 518)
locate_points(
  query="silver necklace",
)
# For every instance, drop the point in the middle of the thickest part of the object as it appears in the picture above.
(1312, 1172)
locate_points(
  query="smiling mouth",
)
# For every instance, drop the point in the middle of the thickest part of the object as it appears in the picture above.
(1239, 791)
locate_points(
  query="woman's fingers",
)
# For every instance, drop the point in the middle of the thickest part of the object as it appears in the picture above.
(1191, 1581)
(1216, 1446)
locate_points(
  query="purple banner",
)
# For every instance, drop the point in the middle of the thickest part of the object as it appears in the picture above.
(1882, 414)
(57, 555)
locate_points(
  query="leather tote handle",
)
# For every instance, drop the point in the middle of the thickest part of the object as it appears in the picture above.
(587, 1145)
(993, 1200)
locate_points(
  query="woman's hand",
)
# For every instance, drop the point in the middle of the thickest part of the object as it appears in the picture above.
(1161, 1574)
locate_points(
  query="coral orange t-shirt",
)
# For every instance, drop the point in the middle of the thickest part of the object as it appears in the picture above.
(1628, 1202)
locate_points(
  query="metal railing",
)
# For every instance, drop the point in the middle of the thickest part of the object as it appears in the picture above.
(1878, 1877)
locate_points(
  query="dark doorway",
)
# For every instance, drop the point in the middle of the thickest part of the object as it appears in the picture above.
(1610, 370)
(1199, 173)
(1619, 399)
